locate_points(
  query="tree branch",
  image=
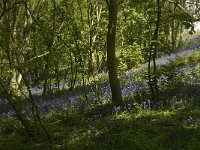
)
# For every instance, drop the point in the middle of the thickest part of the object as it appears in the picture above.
(39, 56)
(183, 9)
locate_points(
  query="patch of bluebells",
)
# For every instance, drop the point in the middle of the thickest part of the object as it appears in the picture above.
(193, 121)
(117, 109)
(9, 113)
(73, 97)
(188, 50)
(146, 105)
(166, 59)
(131, 88)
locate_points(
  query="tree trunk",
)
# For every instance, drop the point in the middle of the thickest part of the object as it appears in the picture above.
(15, 80)
(111, 58)
(154, 47)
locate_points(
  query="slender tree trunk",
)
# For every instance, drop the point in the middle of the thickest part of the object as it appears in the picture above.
(49, 42)
(149, 75)
(155, 37)
(111, 58)
(154, 47)
(173, 29)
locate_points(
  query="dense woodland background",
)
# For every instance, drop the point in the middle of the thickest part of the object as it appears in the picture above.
(99, 74)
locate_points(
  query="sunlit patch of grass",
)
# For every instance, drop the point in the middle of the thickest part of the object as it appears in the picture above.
(188, 59)
(126, 130)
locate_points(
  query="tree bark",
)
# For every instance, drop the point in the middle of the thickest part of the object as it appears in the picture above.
(111, 58)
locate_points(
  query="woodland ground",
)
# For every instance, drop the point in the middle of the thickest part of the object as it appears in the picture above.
(74, 124)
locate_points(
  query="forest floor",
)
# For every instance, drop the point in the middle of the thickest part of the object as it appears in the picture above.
(76, 124)
(131, 82)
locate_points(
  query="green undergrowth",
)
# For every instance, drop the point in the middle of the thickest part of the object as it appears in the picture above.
(188, 59)
(139, 129)
(142, 130)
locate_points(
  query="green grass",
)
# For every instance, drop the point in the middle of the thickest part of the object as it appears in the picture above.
(167, 128)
